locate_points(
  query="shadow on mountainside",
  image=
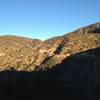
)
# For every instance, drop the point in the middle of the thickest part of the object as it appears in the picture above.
(76, 78)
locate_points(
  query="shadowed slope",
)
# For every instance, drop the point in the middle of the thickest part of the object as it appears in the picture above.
(76, 78)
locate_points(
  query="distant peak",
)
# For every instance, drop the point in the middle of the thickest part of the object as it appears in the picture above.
(97, 23)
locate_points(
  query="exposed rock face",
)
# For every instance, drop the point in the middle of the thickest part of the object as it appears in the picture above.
(27, 54)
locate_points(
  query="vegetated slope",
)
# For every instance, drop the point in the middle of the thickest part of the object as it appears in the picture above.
(18, 53)
(31, 54)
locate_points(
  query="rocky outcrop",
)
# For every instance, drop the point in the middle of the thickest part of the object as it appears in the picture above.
(94, 28)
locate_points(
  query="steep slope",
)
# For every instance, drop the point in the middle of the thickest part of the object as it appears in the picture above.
(77, 41)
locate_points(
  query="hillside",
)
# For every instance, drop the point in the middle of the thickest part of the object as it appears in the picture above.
(32, 54)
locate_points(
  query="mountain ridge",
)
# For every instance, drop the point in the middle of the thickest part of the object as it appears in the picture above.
(28, 54)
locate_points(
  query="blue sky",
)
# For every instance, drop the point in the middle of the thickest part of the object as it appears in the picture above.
(46, 18)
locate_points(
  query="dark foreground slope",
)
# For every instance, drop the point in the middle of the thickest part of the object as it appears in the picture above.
(76, 78)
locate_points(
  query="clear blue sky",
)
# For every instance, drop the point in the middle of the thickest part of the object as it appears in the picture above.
(46, 18)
